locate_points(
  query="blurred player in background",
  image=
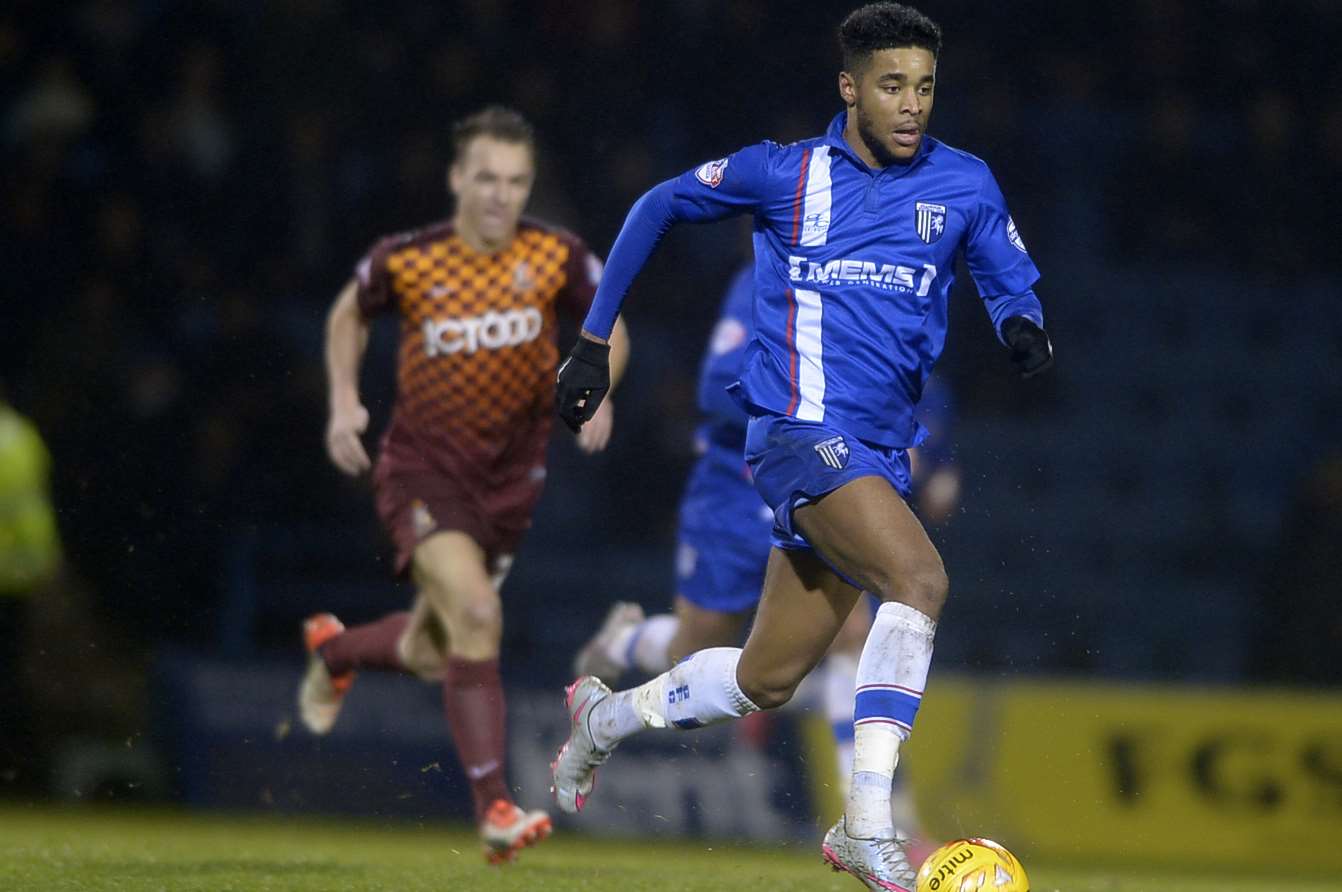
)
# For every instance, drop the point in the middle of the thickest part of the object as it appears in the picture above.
(856, 234)
(462, 463)
(30, 559)
(723, 543)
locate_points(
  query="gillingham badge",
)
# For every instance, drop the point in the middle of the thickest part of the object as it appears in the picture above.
(833, 452)
(930, 220)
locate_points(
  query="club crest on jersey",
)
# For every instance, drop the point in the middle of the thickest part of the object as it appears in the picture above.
(710, 174)
(833, 452)
(421, 519)
(1013, 235)
(930, 220)
(522, 278)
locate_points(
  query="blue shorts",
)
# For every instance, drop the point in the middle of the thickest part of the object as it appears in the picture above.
(723, 538)
(797, 462)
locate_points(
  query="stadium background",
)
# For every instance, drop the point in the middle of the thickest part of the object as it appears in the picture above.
(1147, 542)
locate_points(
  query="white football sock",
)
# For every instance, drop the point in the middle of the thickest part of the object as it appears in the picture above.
(838, 690)
(646, 645)
(902, 807)
(890, 679)
(699, 690)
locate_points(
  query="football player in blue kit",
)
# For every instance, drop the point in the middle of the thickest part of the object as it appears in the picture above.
(856, 233)
(723, 544)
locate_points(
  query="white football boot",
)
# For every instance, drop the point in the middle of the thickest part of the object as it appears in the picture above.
(881, 864)
(573, 772)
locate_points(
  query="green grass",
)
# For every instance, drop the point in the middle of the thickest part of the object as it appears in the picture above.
(103, 849)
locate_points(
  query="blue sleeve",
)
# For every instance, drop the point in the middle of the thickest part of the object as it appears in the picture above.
(998, 261)
(936, 412)
(726, 349)
(713, 191)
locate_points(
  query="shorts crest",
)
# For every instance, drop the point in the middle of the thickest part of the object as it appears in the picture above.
(421, 519)
(833, 452)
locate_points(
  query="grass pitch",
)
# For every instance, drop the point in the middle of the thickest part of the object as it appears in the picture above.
(47, 850)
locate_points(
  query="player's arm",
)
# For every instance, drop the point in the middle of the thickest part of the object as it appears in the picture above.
(346, 340)
(935, 472)
(619, 352)
(595, 434)
(1005, 276)
(714, 191)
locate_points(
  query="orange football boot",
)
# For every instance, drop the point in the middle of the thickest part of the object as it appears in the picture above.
(508, 829)
(321, 694)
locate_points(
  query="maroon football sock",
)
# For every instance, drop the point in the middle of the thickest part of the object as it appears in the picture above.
(473, 701)
(369, 646)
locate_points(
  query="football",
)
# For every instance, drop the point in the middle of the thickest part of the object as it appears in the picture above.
(970, 864)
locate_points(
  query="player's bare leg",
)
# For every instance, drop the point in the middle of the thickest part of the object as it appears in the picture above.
(450, 568)
(808, 603)
(422, 647)
(802, 608)
(867, 531)
(698, 628)
(870, 534)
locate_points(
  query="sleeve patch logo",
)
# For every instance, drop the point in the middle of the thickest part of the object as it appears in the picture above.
(1013, 236)
(710, 174)
(728, 335)
(594, 269)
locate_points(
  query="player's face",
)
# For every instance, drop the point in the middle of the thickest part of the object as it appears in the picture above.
(892, 99)
(492, 181)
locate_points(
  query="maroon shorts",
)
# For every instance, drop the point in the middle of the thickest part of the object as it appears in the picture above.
(416, 498)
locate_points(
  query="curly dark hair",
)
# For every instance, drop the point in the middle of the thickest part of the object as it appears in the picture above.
(495, 121)
(883, 26)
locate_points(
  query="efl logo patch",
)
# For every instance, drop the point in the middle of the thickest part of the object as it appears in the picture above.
(930, 220)
(1013, 235)
(594, 269)
(710, 174)
(833, 452)
(687, 558)
(728, 334)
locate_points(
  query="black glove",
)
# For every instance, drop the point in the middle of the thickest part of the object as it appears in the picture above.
(1030, 349)
(584, 380)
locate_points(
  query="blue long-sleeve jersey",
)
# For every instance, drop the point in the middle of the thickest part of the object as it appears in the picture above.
(853, 267)
(724, 424)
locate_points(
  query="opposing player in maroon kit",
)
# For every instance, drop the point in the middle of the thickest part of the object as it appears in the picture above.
(462, 463)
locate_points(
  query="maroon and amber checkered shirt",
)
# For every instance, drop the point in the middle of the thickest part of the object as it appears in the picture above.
(478, 331)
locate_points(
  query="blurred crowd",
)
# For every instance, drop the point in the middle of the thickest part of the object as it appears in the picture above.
(187, 185)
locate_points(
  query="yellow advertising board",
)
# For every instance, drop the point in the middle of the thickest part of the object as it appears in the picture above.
(1160, 774)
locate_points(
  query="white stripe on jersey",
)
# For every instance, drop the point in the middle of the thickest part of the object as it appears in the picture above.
(810, 368)
(816, 209)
